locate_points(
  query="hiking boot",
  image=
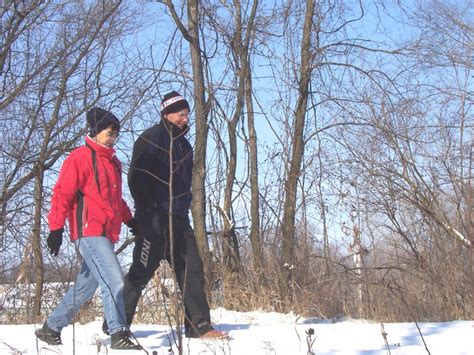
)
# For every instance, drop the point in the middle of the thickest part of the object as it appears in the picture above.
(121, 341)
(48, 335)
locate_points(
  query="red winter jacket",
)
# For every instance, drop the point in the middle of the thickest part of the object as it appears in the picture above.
(89, 194)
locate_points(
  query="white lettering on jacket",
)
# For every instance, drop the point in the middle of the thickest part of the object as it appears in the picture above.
(145, 252)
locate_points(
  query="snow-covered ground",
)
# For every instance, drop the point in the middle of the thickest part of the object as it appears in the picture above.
(261, 333)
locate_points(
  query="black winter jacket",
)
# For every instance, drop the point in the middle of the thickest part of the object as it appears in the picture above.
(149, 173)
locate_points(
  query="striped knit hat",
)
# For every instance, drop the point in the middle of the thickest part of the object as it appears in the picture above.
(173, 102)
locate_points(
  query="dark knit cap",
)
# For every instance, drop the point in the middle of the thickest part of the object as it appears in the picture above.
(173, 102)
(99, 119)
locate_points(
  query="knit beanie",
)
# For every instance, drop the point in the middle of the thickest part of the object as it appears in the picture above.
(99, 119)
(173, 102)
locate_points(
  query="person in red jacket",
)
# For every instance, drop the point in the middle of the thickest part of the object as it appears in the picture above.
(88, 194)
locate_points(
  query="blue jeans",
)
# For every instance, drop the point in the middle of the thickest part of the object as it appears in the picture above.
(100, 267)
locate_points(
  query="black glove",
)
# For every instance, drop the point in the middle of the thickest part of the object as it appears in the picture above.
(54, 241)
(132, 224)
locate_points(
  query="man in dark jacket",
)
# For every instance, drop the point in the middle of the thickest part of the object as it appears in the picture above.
(162, 161)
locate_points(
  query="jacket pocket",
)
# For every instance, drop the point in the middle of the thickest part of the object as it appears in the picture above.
(94, 218)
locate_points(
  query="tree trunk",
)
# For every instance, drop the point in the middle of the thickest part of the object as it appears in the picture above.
(198, 206)
(255, 238)
(289, 209)
(36, 244)
(230, 251)
(322, 203)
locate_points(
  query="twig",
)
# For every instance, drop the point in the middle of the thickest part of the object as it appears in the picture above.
(384, 334)
(310, 341)
(15, 351)
(405, 303)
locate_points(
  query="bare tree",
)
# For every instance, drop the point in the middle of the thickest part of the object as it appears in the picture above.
(255, 232)
(289, 211)
(201, 107)
(238, 43)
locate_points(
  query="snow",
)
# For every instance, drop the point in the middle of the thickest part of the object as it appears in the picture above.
(263, 333)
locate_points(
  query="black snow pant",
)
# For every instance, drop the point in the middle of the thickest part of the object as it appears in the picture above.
(152, 244)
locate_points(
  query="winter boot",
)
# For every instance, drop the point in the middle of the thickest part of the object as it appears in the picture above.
(121, 341)
(48, 335)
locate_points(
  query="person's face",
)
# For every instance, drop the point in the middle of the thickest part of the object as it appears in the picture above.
(180, 118)
(107, 136)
